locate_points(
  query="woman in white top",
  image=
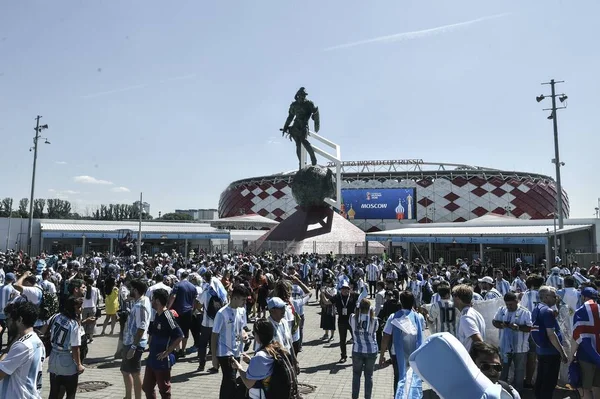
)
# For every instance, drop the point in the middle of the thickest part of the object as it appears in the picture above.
(257, 377)
(90, 303)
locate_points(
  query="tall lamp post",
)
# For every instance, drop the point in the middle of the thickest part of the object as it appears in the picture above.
(38, 131)
(556, 161)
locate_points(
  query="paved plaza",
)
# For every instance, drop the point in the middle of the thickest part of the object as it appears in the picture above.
(319, 364)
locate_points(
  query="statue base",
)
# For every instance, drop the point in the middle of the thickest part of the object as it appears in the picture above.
(317, 229)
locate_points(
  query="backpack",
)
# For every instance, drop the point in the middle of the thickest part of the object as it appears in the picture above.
(283, 383)
(214, 305)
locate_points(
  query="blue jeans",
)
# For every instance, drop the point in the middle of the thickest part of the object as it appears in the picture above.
(360, 362)
(518, 360)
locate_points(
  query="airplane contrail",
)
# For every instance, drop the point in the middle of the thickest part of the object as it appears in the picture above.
(416, 34)
(135, 87)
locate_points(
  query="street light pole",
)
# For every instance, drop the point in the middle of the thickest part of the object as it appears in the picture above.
(38, 130)
(556, 157)
(139, 240)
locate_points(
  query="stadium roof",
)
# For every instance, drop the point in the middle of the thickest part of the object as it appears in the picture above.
(245, 222)
(150, 230)
(478, 232)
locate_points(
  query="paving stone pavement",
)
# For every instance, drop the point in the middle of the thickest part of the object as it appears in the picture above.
(318, 361)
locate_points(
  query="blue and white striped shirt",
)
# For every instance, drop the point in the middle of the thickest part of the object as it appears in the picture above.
(512, 341)
(519, 285)
(555, 281)
(364, 329)
(372, 272)
(443, 315)
(503, 287)
(229, 324)
(530, 300)
(7, 294)
(492, 294)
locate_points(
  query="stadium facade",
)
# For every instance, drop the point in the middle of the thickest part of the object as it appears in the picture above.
(381, 195)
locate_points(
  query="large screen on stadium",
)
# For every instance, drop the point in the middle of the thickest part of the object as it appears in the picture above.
(386, 203)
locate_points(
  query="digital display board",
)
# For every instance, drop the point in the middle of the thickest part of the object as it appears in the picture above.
(386, 203)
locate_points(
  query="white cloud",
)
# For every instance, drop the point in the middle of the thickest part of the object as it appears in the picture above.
(120, 189)
(90, 180)
(60, 162)
(416, 34)
(63, 194)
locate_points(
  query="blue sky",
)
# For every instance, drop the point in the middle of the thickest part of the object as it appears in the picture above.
(177, 99)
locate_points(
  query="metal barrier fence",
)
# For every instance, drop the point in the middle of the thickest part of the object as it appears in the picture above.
(496, 257)
(320, 247)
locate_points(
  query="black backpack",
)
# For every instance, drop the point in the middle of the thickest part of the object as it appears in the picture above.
(214, 305)
(284, 382)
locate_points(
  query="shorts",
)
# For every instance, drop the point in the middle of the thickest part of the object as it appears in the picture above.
(61, 363)
(590, 375)
(185, 323)
(133, 365)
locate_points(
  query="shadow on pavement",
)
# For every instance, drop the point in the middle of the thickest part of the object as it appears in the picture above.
(333, 368)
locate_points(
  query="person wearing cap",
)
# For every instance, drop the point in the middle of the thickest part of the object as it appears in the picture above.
(554, 279)
(283, 333)
(345, 303)
(7, 294)
(488, 291)
(586, 333)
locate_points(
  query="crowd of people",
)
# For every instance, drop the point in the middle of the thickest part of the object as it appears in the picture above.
(246, 313)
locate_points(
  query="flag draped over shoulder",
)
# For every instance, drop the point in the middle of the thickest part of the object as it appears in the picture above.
(218, 289)
(586, 327)
(407, 336)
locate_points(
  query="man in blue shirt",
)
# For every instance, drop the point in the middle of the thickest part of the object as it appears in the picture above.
(165, 337)
(182, 301)
(548, 339)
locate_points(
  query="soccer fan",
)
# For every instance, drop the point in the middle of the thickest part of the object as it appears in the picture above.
(442, 313)
(471, 325)
(373, 275)
(7, 294)
(518, 284)
(165, 336)
(21, 369)
(502, 286)
(488, 290)
(487, 358)
(547, 336)
(554, 279)
(364, 326)
(514, 323)
(586, 333)
(135, 339)
(228, 338)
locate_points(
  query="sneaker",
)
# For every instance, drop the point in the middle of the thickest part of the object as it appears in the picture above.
(343, 360)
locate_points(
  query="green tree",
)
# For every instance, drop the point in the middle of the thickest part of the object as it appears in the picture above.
(39, 204)
(176, 216)
(6, 207)
(23, 205)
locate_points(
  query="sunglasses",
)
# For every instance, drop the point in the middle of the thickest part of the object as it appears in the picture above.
(488, 366)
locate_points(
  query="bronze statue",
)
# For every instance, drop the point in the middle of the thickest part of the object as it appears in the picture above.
(301, 110)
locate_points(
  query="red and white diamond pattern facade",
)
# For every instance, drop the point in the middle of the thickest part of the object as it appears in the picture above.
(447, 199)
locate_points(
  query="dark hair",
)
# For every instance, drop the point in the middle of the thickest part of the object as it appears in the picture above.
(161, 295)
(138, 285)
(70, 304)
(443, 290)
(380, 284)
(27, 311)
(184, 275)
(483, 348)
(75, 283)
(407, 300)
(89, 281)
(31, 280)
(510, 296)
(266, 332)
(207, 276)
(239, 290)
(569, 281)
(109, 284)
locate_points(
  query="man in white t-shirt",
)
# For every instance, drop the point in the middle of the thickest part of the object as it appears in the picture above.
(28, 287)
(21, 369)
(471, 325)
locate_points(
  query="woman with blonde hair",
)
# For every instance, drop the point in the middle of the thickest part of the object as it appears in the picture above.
(364, 327)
